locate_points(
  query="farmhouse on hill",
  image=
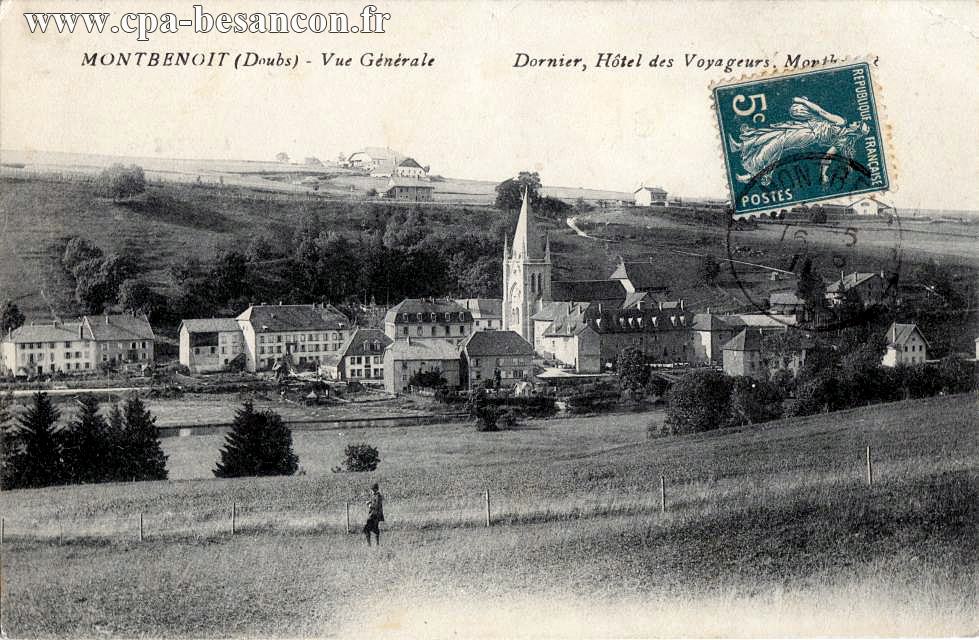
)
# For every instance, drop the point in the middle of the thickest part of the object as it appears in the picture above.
(377, 161)
(649, 196)
(409, 168)
(409, 190)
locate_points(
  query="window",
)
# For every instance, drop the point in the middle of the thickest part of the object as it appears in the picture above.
(518, 373)
(88, 365)
(67, 344)
(50, 345)
(143, 345)
(419, 330)
(213, 349)
(224, 350)
(67, 355)
(78, 354)
(404, 330)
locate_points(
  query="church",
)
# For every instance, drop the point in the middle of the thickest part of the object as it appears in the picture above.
(584, 324)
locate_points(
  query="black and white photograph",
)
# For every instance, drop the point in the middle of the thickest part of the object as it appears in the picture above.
(490, 319)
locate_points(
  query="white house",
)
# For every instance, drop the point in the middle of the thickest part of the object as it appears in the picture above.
(409, 168)
(905, 345)
(210, 344)
(871, 206)
(377, 161)
(649, 196)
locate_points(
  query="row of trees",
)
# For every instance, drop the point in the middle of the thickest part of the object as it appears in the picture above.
(405, 254)
(834, 376)
(36, 452)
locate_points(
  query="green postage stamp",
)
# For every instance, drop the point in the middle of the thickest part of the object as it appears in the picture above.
(801, 138)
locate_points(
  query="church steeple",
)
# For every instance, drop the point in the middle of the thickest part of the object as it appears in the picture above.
(526, 242)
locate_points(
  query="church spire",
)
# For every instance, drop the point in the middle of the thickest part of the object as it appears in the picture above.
(526, 242)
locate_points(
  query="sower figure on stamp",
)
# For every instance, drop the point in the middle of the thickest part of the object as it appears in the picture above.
(375, 515)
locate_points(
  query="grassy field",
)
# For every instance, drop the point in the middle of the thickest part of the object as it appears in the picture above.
(770, 530)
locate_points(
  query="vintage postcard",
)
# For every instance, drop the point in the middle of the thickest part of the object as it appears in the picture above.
(491, 319)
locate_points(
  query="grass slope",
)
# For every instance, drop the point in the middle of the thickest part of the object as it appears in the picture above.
(770, 530)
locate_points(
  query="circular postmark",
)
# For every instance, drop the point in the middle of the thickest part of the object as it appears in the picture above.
(804, 246)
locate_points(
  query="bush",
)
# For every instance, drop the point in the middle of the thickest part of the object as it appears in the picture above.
(597, 401)
(699, 401)
(507, 419)
(428, 379)
(360, 457)
(754, 401)
(482, 411)
(119, 181)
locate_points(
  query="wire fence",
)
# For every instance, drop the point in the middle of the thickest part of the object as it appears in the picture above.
(471, 509)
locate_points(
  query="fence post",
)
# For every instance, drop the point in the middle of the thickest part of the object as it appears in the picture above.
(662, 493)
(140, 526)
(486, 495)
(346, 507)
(1, 531)
(234, 516)
(870, 469)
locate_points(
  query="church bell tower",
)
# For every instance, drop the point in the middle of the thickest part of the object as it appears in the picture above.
(526, 275)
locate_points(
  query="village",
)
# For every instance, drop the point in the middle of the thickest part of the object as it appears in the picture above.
(542, 332)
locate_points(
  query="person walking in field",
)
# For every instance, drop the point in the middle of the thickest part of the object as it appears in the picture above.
(375, 515)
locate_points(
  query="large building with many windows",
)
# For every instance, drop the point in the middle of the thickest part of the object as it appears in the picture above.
(83, 346)
(362, 356)
(306, 334)
(429, 319)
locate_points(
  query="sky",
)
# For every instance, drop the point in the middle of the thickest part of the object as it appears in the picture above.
(473, 115)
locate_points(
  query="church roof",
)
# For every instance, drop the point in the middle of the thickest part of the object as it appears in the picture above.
(644, 276)
(526, 240)
(609, 292)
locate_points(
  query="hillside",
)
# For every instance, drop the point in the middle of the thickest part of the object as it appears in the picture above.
(775, 520)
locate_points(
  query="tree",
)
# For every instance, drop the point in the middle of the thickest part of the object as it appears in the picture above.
(699, 401)
(282, 156)
(509, 193)
(811, 289)
(312, 161)
(360, 457)
(9, 440)
(259, 444)
(87, 448)
(38, 462)
(957, 374)
(97, 281)
(632, 370)
(142, 453)
(754, 401)
(77, 251)
(120, 181)
(135, 296)
(11, 317)
(709, 270)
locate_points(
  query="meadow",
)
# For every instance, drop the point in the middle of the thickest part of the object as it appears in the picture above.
(768, 530)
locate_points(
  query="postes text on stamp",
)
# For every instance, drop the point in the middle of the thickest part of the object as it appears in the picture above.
(801, 138)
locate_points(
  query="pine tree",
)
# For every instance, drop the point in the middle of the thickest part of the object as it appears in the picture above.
(9, 440)
(259, 444)
(116, 454)
(86, 447)
(38, 462)
(144, 457)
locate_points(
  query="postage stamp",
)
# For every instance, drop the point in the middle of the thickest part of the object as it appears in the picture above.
(801, 138)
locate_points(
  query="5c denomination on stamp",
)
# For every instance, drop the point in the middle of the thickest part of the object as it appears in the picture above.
(797, 138)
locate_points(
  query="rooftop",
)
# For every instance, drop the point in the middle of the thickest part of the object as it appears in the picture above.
(497, 343)
(365, 342)
(294, 317)
(746, 340)
(210, 325)
(428, 310)
(119, 327)
(610, 292)
(422, 350)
